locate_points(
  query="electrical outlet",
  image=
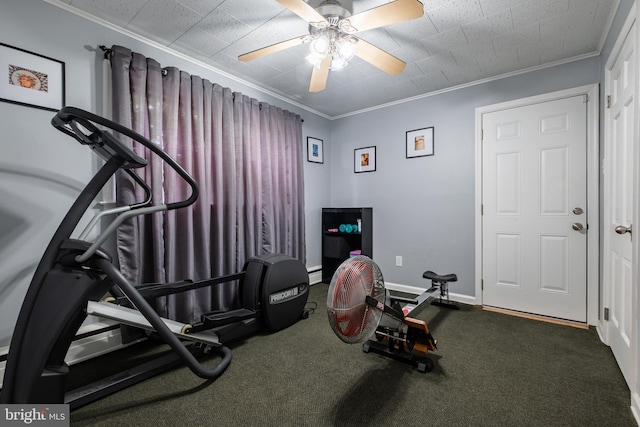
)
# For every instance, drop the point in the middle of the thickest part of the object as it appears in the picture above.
(398, 261)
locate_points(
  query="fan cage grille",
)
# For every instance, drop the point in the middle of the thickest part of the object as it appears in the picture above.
(350, 317)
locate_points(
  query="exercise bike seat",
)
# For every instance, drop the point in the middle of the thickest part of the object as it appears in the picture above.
(221, 318)
(430, 275)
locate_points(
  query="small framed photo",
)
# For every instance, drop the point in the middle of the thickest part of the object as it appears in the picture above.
(30, 79)
(364, 159)
(420, 142)
(315, 150)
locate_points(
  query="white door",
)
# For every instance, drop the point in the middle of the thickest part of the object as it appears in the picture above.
(534, 200)
(618, 184)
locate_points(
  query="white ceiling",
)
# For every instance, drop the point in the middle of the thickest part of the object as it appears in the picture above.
(456, 42)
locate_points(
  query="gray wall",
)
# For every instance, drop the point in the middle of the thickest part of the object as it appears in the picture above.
(423, 208)
(42, 170)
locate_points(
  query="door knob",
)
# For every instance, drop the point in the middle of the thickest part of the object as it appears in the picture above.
(621, 229)
(577, 226)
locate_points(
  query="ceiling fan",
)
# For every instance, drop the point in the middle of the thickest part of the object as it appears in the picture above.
(331, 36)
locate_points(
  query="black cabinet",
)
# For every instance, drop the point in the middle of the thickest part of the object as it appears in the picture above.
(345, 231)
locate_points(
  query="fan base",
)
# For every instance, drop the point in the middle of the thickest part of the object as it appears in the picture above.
(410, 344)
(422, 363)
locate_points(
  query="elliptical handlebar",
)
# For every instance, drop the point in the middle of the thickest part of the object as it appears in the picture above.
(147, 202)
(71, 120)
(79, 124)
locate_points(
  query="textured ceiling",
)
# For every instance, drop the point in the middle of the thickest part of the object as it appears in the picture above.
(456, 42)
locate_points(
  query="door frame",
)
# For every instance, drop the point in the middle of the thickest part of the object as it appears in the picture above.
(593, 186)
(635, 248)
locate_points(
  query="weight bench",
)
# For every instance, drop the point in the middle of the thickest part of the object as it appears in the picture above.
(441, 283)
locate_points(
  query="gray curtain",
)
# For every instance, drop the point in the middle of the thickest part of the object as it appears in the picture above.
(247, 158)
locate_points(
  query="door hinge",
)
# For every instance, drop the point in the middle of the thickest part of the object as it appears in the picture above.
(481, 135)
(482, 209)
(608, 101)
(606, 313)
(482, 284)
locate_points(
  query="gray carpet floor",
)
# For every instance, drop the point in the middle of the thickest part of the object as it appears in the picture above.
(490, 369)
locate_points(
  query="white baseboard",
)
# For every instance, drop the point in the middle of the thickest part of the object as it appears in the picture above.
(315, 274)
(635, 407)
(415, 290)
(95, 345)
(86, 348)
(601, 333)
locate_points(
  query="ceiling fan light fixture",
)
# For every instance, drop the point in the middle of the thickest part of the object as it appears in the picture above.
(320, 46)
(346, 47)
(314, 60)
(338, 62)
(345, 26)
(342, 51)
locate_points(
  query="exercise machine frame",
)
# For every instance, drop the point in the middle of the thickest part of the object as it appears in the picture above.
(74, 274)
(400, 337)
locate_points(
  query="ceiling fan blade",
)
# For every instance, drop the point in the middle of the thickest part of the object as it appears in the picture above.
(387, 14)
(259, 53)
(320, 75)
(379, 58)
(303, 10)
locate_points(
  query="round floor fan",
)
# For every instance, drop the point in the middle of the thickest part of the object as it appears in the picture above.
(356, 301)
(351, 318)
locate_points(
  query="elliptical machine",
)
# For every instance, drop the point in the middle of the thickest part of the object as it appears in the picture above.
(73, 275)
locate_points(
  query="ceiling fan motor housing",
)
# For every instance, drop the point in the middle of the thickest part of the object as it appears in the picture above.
(333, 12)
(332, 9)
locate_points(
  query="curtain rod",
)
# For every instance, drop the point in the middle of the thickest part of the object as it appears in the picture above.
(108, 51)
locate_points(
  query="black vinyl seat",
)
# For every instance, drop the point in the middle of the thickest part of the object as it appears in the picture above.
(430, 275)
(440, 282)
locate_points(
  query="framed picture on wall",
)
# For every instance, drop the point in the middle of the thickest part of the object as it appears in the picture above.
(315, 150)
(364, 159)
(420, 142)
(30, 79)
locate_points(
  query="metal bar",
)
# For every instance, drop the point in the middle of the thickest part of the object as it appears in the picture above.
(394, 337)
(133, 317)
(153, 290)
